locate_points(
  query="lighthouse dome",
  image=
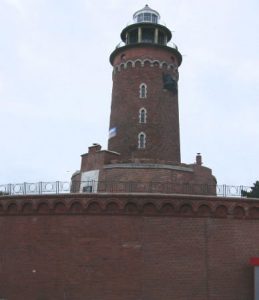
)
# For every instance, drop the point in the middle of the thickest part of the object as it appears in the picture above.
(146, 15)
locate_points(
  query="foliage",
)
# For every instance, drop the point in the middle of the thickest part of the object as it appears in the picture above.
(254, 193)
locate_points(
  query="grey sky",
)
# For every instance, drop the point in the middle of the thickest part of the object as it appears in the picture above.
(55, 83)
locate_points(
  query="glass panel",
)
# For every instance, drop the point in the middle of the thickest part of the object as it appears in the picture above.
(140, 18)
(154, 18)
(143, 90)
(142, 141)
(148, 35)
(147, 17)
(133, 37)
(161, 38)
(142, 116)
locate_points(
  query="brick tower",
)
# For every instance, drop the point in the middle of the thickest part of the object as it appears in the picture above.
(144, 141)
(144, 120)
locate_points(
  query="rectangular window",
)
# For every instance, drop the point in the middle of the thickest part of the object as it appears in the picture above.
(147, 17)
(140, 18)
(154, 19)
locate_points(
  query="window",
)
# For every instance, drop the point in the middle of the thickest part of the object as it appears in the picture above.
(161, 38)
(133, 36)
(140, 18)
(147, 17)
(142, 115)
(154, 18)
(143, 90)
(142, 140)
(148, 35)
(88, 189)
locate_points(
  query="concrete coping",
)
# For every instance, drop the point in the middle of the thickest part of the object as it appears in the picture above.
(148, 166)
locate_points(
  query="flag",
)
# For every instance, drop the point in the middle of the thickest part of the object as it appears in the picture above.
(112, 132)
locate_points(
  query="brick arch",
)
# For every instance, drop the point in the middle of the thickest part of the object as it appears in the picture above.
(163, 64)
(94, 207)
(12, 208)
(130, 64)
(156, 63)
(167, 208)
(43, 207)
(144, 62)
(186, 209)
(150, 208)
(131, 207)
(221, 211)
(204, 210)
(76, 207)
(138, 63)
(123, 66)
(112, 207)
(147, 62)
(60, 207)
(239, 212)
(27, 207)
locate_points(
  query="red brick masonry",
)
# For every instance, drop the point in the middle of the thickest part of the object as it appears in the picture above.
(127, 246)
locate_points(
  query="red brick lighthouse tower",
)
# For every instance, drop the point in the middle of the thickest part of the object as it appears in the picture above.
(144, 141)
(144, 119)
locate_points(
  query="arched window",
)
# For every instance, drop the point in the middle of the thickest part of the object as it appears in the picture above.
(142, 140)
(143, 115)
(143, 90)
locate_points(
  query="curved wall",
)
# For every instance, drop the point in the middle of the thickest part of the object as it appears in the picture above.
(133, 67)
(127, 246)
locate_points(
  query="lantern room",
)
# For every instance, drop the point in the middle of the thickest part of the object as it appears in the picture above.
(146, 29)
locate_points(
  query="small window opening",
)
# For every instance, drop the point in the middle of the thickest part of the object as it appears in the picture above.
(142, 115)
(143, 90)
(88, 189)
(142, 140)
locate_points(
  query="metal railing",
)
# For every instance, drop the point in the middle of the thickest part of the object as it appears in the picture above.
(36, 188)
(61, 187)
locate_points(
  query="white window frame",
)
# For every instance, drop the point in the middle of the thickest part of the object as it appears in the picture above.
(142, 140)
(143, 115)
(143, 91)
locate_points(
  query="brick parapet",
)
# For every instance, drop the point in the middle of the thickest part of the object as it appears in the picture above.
(131, 204)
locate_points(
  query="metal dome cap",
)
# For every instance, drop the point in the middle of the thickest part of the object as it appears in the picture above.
(146, 15)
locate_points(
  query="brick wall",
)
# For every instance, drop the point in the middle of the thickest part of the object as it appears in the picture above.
(162, 124)
(127, 246)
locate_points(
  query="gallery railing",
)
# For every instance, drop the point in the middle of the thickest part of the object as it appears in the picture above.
(61, 187)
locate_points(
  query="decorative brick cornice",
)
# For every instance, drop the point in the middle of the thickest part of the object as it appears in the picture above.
(130, 204)
(146, 62)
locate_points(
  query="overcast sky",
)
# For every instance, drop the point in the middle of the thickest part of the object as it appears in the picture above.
(56, 81)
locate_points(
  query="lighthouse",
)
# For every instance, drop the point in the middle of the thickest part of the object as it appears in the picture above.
(144, 121)
(143, 152)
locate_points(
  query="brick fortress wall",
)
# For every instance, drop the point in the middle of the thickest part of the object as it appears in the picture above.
(127, 246)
